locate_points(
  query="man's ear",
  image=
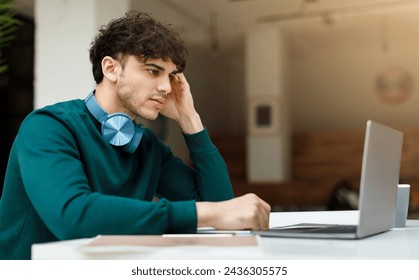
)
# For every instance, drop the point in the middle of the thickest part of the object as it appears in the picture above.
(110, 68)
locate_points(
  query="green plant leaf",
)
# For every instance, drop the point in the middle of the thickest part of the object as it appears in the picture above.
(8, 24)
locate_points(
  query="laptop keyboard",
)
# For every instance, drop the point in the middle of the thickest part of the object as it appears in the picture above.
(318, 228)
(337, 229)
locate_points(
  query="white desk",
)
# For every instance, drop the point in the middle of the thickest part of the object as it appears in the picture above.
(399, 243)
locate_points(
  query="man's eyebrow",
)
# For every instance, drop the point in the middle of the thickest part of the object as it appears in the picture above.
(161, 68)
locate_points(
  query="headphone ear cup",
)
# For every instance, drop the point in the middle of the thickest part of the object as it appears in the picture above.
(118, 129)
(136, 139)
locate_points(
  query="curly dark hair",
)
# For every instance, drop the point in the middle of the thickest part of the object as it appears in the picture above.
(137, 34)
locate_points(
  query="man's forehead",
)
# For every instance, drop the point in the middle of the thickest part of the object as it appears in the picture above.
(161, 64)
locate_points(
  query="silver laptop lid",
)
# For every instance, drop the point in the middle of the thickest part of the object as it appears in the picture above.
(379, 178)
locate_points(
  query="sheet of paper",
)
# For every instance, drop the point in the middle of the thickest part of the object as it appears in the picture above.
(219, 232)
(225, 240)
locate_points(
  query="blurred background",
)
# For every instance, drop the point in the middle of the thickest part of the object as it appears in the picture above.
(284, 87)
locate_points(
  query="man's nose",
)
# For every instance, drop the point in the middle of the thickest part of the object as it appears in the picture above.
(164, 86)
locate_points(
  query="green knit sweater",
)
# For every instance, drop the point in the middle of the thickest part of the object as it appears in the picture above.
(64, 181)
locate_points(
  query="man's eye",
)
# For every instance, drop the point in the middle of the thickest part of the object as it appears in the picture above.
(153, 72)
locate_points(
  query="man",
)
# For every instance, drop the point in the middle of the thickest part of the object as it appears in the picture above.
(83, 167)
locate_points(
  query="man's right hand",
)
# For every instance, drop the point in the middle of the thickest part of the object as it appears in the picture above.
(244, 212)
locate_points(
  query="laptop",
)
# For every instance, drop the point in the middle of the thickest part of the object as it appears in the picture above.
(378, 191)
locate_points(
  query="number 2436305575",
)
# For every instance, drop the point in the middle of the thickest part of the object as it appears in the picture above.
(255, 270)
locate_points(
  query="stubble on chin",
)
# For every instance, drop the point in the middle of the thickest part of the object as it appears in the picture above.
(150, 116)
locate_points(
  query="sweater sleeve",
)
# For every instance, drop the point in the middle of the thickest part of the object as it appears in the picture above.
(208, 180)
(55, 183)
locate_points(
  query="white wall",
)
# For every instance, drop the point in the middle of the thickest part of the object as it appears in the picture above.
(268, 145)
(333, 71)
(64, 31)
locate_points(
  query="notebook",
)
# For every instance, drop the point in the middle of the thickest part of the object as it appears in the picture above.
(378, 191)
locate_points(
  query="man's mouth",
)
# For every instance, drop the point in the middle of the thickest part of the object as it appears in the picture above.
(158, 103)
